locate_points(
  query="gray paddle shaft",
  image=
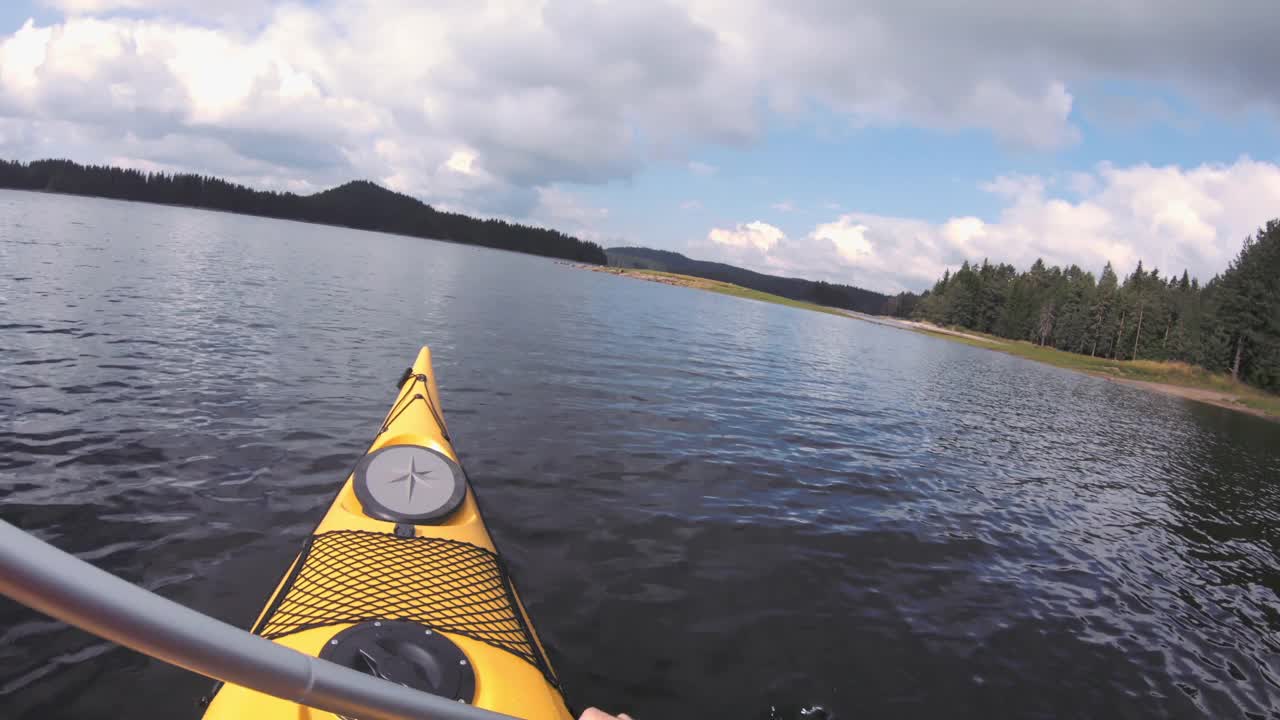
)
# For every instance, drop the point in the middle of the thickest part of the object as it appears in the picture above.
(49, 580)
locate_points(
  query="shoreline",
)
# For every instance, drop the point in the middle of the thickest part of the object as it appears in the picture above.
(1179, 380)
(320, 223)
(1210, 397)
(1174, 379)
(918, 326)
(1197, 384)
(697, 283)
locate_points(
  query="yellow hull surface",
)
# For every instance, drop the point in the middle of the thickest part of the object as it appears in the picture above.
(368, 570)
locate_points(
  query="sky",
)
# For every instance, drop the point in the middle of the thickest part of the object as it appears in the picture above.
(875, 143)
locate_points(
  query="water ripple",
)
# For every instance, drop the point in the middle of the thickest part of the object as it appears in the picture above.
(716, 508)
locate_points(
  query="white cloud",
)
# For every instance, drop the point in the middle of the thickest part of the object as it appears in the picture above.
(1015, 186)
(1170, 218)
(1030, 120)
(1082, 183)
(229, 13)
(462, 161)
(548, 93)
(487, 105)
(566, 211)
(701, 168)
(758, 235)
(691, 205)
(783, 206)
(849, 239)
(507, 78)
(21, 55)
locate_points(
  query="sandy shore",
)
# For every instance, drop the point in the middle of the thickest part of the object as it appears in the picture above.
(649, 275)
(918, 326)
(1212, 397)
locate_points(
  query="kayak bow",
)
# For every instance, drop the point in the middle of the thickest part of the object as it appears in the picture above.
(402, 581)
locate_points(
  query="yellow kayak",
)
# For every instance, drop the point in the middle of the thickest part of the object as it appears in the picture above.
(401, 580)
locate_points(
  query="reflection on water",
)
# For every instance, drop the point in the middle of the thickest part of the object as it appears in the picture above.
(716, 507)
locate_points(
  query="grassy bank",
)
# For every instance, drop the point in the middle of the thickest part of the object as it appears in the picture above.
(1171, 378)
(1174, 378)
(723, 288)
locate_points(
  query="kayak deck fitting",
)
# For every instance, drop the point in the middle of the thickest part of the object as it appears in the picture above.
(401, 580)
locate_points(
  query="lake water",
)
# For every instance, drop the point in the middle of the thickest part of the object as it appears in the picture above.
(715, 507)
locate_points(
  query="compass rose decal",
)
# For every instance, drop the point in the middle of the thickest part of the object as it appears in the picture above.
(413, 477)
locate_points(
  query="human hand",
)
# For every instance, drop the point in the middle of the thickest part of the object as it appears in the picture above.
(596, 714)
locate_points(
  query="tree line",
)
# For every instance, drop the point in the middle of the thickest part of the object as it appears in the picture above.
(359, 204)
(1229, 324)
(822, 293)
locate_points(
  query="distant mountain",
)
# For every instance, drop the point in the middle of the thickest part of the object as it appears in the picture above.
(364, 204)
(359, 204)
(822, 293)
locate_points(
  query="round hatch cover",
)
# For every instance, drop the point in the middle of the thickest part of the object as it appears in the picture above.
(405, 653)
(409, 484)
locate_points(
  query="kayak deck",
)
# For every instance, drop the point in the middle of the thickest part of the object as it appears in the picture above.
(444, 574)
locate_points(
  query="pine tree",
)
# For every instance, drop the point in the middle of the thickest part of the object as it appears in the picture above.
(1103, 303)
(1248, 309)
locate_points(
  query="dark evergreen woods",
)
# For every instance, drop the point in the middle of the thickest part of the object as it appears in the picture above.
(359, 204)
(1231, 324)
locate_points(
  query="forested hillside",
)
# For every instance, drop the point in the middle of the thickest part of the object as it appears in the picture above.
(1230, 324)
(360, 204)
(822, 293)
